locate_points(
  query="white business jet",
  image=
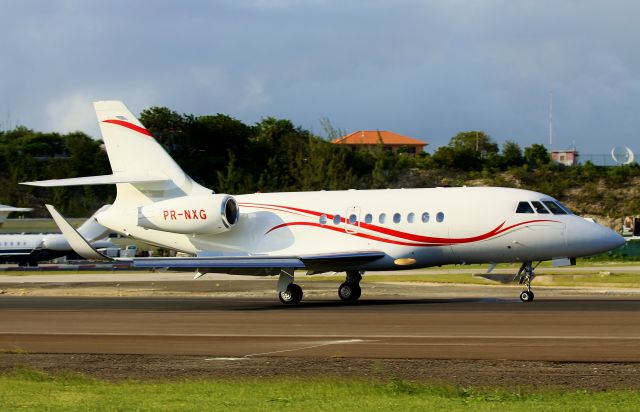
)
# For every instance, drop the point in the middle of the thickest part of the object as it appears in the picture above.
(351, 231)
(27, 249)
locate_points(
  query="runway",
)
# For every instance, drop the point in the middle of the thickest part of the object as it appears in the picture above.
(581, 329)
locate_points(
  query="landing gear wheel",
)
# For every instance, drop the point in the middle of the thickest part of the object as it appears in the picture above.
(526, 296)
(349, 291)
(292, 295)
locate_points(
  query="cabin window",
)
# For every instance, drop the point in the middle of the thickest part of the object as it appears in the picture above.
(336, 219)
(382, 218)
(539, 207)
(440, 217)
(555, 209)
(411, 217)
(397, 218)
(323, 219)
(353, 219)
(368, 218)
(524, 207)
(425, 217)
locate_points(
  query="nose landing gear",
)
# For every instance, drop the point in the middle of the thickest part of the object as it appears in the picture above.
(525, 276)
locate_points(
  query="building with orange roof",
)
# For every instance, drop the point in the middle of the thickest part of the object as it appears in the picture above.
(371, 139)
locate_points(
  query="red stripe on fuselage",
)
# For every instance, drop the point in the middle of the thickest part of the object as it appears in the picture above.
(128, 125)
(420, 240)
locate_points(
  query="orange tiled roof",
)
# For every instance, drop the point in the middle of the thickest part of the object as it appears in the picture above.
(372, 137)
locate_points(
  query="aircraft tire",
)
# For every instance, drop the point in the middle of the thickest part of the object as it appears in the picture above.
(526, 296)
(349, 291)
(292, 295)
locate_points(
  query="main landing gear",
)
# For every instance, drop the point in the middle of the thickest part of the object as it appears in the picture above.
(290, 293)
(350, 291)
(526, 275)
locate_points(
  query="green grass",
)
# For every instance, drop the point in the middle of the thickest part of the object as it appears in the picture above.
(577, 278)
(35, 225)
(29, 389)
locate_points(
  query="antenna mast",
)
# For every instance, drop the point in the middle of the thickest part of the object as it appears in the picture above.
(551, 120)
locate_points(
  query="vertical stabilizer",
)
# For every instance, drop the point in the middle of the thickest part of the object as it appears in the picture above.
(133, 151)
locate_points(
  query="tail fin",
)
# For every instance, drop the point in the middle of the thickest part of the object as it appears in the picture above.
(139, 163)
(131, 148)
(6, 210)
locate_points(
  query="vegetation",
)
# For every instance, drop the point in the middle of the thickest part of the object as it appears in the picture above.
(29, 389)
(229, 156)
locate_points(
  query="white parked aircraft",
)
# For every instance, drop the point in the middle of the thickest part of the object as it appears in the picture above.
(30, 248)
(349, 231)
(5, 211)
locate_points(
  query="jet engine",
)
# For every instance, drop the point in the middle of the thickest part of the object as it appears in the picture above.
(211, 214)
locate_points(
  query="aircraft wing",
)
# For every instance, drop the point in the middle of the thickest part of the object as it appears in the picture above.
(12, 254)
(255, 265)
(261, 265)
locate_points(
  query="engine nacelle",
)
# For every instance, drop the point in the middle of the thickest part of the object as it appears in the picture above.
(216, 213)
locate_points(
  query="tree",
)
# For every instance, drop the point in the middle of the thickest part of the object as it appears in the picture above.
(167, 126)
(511, 154)
(474, 142)
(536, 155)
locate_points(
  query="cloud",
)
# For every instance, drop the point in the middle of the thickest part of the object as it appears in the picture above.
(427, 69)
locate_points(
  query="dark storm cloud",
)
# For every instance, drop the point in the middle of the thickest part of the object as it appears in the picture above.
(427, 69)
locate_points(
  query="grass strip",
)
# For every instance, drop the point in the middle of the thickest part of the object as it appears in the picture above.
(30, 389)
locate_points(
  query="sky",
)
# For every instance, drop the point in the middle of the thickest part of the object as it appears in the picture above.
(427, 69)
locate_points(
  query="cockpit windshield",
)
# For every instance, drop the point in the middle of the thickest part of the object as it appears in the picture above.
(539, 207)
(554, 207)
(543, 206)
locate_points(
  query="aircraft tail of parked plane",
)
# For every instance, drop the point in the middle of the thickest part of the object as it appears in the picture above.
(5, 211)
(349, 231)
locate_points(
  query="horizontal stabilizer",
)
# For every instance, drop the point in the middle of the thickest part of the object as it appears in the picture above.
(8, 209)
(75, 239)
(100, 180)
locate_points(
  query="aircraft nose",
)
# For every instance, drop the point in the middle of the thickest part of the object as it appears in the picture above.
(590, 238)
(612, 239)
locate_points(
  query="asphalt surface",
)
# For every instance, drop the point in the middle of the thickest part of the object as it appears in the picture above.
(166, 326)
(577, 330)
